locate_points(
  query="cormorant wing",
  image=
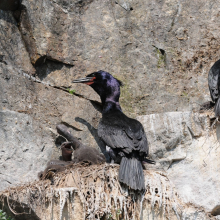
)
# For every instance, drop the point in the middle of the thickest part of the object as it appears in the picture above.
(127, 135)
(213, 81)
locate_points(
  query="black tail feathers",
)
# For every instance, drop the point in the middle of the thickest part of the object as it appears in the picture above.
(131, 173)
(217, 108)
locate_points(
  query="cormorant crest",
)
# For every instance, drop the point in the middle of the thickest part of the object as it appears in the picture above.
(104, 72)
(120, 82)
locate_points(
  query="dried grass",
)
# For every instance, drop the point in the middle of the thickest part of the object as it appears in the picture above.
(101, 195)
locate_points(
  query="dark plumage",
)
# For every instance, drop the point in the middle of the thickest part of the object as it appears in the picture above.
(66, 151)
(214, 86)
(82, 153)
(53, 166)
(125, 136)
(9, 4)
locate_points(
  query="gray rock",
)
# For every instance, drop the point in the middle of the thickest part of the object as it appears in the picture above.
(23, 150)
(163, 48)
(183, 145)
(28, 123)
(12, 49)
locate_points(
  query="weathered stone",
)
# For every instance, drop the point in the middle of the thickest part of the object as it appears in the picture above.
(183, 145)
(13, 54)
(23, 148)
(157, 47)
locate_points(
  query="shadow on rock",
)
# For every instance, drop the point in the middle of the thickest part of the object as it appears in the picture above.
(94, 133)
(9, 5)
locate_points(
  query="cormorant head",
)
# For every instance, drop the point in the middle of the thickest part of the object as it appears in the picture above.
(104, 84)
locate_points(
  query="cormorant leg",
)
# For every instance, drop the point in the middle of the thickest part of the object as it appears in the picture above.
(112, 161)
(111, 154)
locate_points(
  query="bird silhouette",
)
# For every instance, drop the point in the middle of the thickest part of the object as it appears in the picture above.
(214, 86)
(124, 136)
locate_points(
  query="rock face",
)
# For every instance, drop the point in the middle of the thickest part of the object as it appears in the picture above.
(161, 50)
(184, 146)
(23, 150)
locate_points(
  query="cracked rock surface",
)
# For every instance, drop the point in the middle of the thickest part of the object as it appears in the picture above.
(163, 48)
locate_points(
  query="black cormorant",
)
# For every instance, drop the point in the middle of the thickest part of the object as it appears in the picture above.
(214, 86)
(125, 136)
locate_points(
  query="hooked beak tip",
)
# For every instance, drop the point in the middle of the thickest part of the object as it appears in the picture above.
(87, 80)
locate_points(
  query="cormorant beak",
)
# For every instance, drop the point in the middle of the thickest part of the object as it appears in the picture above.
(67, 146)
(86, 80)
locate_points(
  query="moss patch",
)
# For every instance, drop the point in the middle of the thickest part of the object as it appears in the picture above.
(126, 98)
(161, 57)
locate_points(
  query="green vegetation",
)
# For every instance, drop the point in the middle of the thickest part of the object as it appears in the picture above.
(71, 91)
(184, 94)
(4, 216)
(118, 215)
(119, 212)
(161, 58)
(126, 98)
(109, 217)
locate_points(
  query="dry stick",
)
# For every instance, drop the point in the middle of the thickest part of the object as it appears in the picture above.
(18, 196)
(209, 131)
(215, 143)
(42, 198)
(211, 147)
(119, 186)
(13, 211)
(80, 192)
(58, 180)
(75, 180)
(211, 128)
(214, 123)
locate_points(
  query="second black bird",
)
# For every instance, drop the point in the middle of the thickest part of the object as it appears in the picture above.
(214, 86)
